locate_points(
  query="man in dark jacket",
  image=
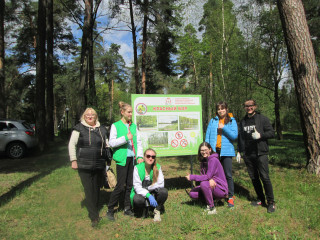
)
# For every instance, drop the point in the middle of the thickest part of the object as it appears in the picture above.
(254, 132)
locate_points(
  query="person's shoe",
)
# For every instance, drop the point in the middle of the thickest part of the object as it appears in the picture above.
(156, 217)
(258, 203)
(128, 212)
(212, 211)
(94, 223)
(230, 202)
(110, 215)
(271, 208)
(207, 208)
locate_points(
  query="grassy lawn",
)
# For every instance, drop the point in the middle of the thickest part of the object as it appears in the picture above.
(41, 197)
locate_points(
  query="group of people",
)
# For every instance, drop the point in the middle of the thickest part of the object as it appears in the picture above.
(140, 176)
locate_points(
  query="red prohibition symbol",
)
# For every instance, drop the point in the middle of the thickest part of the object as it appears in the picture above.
(174, 143)
(184, 142)
(179, 135)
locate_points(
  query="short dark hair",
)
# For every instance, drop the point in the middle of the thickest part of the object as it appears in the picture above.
(254, 101)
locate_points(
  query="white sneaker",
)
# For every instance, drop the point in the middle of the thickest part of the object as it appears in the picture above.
(212, 211)
(156, 217)
(207, 208)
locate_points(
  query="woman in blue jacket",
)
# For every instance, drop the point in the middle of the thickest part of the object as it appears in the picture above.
(221, 132)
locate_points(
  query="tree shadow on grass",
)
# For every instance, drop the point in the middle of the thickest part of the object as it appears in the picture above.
(103, 199)
(177, 183)
(288, 153)
(8, 196)
(40, 163)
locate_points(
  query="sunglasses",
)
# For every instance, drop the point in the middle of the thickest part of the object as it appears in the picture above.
(151, 156)
(247, 106)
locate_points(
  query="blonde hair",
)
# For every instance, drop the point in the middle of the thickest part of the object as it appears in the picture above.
(154, 166)
(85, 112)
(123, 106)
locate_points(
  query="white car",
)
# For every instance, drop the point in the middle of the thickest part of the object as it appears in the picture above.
(16, 136)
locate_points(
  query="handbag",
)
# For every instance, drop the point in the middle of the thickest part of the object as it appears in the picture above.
(111, 179)
(108, 153)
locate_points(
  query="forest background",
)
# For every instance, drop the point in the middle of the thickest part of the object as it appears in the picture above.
(221, 49)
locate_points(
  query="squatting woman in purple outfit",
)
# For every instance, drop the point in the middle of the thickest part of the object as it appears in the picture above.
(213, 183)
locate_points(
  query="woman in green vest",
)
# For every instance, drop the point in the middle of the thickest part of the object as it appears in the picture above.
(127, 150)
(148, 185)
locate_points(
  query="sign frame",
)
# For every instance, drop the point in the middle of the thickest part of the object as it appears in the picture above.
(170, 124)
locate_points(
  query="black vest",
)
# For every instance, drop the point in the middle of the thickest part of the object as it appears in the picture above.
(91, 147)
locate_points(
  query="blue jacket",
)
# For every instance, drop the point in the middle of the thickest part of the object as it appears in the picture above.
(229, 134)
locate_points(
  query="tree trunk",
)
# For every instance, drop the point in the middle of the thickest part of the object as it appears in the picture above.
(277, 111)
(144, 47)
(40, 75)
(222, 48)
(305, 75)
(84, 60)
(50, 101)
(111, 101)
(135, 51)
(211, 89)
(2, 63)
(92, 100)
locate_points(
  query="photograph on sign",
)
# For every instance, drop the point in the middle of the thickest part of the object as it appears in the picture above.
(168, 123)
(147, 123)
(171, 124)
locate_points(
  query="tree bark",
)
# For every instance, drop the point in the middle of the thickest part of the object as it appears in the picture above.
(111, 101)
(277, 111)
(223, 40)
(84, 60)
(49, 73)
(211, 90)
(92, 100)
(144, 47)
(40, 75)
(135, 51)
(305, 75)
(2, 63)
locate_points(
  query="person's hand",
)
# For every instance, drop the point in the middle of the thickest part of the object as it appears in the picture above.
(188, 177)
(221, 125)
(256, 135)
(74, 165)
(238, 157)
(152, 201)
(140, 160)
(130, 136)
(212, 183)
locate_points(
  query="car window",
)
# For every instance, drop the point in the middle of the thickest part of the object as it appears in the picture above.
(27, 125)
(3, 126)
(12, 126)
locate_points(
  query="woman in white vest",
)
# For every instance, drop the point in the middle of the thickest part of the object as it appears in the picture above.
(148, 185)
(127, 150)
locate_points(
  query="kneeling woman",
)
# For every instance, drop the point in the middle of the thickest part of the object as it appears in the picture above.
(148, 185)
(213, 183)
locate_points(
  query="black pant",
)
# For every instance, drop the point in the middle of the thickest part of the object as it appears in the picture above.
(258, 169)
(161, 196)
(226, 163)
(92, 181)
(124, 179)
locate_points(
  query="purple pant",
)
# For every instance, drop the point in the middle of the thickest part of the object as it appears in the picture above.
(207, 192)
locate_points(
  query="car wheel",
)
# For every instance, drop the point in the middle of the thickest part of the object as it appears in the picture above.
(16, 150)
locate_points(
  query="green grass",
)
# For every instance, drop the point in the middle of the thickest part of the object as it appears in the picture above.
(42, 198)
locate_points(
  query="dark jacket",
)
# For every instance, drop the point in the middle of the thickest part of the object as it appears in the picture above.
(265, 129)
(91, 147)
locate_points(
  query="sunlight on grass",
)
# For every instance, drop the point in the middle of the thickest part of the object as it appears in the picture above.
(52, 206)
